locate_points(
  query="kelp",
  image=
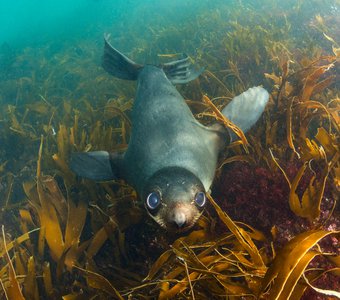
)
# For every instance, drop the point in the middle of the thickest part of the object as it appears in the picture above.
(61, 223)
(296, 255)
(97, 281)
(227, 123)
(73, 237)
(232, 264)
(11, 284)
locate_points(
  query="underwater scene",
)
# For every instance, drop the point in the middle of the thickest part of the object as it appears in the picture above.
(271, 226)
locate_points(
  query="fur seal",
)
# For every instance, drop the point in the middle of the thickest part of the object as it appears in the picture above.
(171, 157)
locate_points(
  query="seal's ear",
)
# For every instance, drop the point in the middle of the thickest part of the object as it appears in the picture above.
(97, 165)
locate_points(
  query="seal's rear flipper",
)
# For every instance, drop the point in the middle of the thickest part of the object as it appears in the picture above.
(181, 71)
(97, 165)
(245, 109)
(117, 64)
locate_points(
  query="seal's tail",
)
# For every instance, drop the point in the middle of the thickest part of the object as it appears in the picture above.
(245, 109)
(119, 65)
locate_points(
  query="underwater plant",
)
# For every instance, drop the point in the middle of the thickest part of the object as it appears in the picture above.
(272, 230)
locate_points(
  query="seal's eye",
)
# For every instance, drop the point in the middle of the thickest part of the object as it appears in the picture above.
(153, 200)
(200, 199)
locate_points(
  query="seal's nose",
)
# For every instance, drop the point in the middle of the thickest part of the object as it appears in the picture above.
(180, 219)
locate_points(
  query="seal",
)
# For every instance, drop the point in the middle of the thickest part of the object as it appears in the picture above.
(171, 157)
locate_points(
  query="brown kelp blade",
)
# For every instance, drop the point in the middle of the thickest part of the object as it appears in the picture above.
(30, 283)
(311, 84)
(13, 289)
(99, 282)
(221, 118)
(49, 220)
(309, 205)
(286, 263)
(242, 237)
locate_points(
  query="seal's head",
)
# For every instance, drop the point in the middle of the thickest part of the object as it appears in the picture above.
(174, 197)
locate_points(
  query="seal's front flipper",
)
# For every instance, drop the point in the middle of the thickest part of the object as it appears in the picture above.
(117, 64)
(245, 109)
(97, 165)
(181, 71)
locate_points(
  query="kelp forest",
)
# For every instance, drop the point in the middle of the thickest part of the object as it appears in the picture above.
(272, 227)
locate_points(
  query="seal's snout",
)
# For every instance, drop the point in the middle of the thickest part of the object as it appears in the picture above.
(182, 216)
(180, 219)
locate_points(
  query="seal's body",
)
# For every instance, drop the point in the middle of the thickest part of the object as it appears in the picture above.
(166, 134)
(171, 157)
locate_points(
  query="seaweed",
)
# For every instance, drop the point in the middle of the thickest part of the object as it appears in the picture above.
(272, 228)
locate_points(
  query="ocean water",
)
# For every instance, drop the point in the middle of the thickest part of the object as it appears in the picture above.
(141, 24)
(149, 28)
(26, 23)
(54, 93)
